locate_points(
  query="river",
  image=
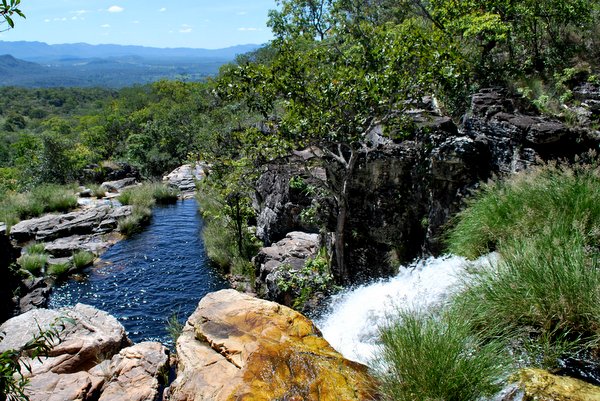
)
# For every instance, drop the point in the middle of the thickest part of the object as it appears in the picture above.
(147, 278)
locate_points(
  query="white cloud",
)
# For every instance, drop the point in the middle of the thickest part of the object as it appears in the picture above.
(185, 28)
(249, 29)
(242, 13)
(47, 20)
(135, 22)
(115, 9)
(105, 26)
(162, 10)
(80, 12)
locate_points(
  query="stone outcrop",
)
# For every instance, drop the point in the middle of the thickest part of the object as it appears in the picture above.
(118, 185)
(184, 178)
(109, 172)
(539, 385)
(404, 192)
(272, 263)
(94, 220)
(92, 360)
(238, 347)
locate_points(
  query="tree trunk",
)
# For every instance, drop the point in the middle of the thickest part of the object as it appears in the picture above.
(342, 216)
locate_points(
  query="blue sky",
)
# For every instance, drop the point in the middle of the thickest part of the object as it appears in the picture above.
(182, 23)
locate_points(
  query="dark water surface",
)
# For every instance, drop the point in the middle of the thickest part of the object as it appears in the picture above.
(150, 276)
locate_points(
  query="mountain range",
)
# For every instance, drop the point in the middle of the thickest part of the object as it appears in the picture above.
(37, 64)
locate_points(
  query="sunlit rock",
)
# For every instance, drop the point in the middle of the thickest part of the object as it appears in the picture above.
(91, 361)
(540, 385)
(238, 347)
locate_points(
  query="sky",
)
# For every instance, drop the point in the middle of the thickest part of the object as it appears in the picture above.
(208, 24)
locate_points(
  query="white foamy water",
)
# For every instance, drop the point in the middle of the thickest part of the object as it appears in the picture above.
(352, 324)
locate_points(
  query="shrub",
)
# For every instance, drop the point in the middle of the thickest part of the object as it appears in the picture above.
(33, 263)
(426, 356)
(82, 259)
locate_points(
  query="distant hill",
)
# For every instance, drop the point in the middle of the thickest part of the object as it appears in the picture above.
(37, 64)
(42, 52)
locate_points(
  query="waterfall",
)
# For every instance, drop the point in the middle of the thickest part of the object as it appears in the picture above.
(352, 322)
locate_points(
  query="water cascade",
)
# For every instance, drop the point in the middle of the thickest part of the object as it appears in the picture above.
(351, 324)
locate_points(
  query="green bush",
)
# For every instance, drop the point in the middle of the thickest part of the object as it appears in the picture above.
(426, 356)
(33, 263)
(82, 259)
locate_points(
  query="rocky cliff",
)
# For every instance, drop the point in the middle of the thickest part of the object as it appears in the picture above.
(403, 193)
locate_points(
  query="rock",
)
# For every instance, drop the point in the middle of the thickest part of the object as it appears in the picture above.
(278, 204)
(185, 177)
(89, 336)
(119, 185)
(90, 362)
(293, 251)
(65, 247)
(135, 373)
(238, 347)
(539, 385)
(95, 220)
(109, 171)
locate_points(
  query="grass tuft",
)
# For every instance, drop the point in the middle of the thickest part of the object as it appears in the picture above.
(82, 259)
(427, 356)
(36, 249)
(143, 198)
(34, 264)
(59, 270)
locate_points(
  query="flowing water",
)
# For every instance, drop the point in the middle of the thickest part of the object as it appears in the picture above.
(151, 276)
(351, 324)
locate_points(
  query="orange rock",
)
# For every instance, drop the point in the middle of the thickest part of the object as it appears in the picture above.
(235, 347)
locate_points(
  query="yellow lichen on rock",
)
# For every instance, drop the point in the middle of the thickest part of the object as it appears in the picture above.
(540, 385)
(251, 349)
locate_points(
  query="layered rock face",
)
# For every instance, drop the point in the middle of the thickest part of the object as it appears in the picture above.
(92, 360)
(237, 347)
(404, 192)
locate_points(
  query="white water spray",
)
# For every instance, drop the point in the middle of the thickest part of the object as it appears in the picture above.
(352, 325)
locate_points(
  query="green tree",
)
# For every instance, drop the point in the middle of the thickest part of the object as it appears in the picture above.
(335, 78)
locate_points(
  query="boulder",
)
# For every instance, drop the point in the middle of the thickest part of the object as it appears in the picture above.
(135, 373)
(540, 385)
(271, 263)
(184, 178)
(118, 185)
(238, 347)
(89, 336)
(95, 220)
(89, 362)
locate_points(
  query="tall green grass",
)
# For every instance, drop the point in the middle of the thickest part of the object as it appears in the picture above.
(34, 264)
(436, 356)
(42, 199)
(545, 289)
(143, 198)
(82, 259)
